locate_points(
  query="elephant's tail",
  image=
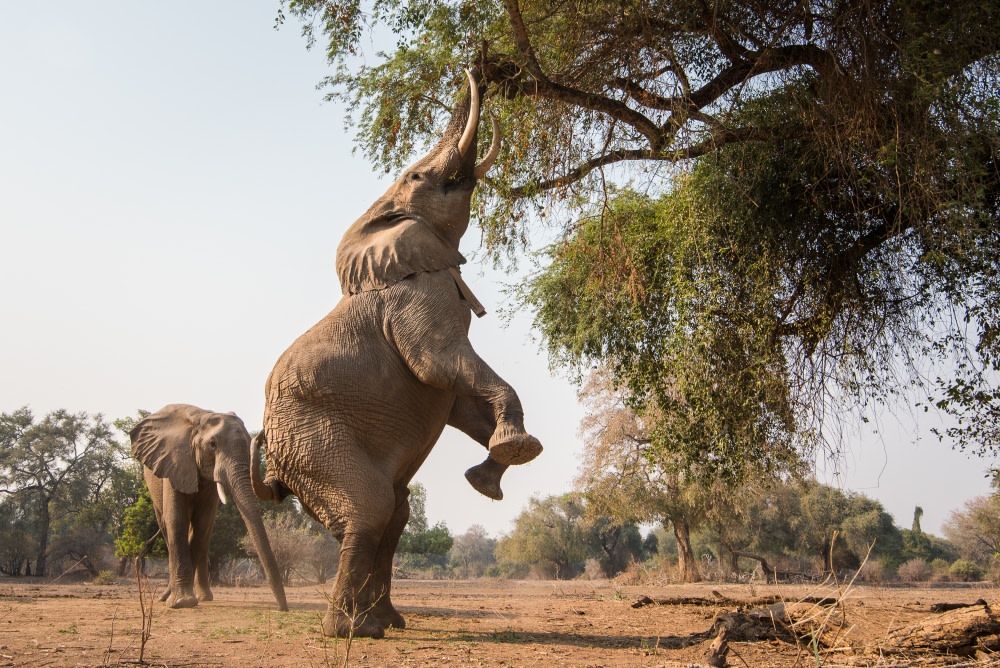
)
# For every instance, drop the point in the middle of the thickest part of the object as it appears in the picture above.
(272, 490)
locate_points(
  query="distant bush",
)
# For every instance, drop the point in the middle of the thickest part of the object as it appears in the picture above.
(105, 577)
(872, 572)
(915, 570)
(964, 570)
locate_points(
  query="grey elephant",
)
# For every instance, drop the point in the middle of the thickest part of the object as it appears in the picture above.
(355, 405)
(191, 458)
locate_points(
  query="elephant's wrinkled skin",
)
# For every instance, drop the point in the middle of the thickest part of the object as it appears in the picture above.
(191, 458)
(355, 405)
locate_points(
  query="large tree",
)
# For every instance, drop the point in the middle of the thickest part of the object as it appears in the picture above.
(59, 469)
(473, 551)
(975, 528)
(549, 536)
(829, 170)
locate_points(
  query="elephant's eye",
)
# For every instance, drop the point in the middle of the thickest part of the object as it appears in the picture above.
(211, 444)
(415, 176)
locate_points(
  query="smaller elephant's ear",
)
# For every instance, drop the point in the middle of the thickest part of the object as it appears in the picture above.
(162, 442)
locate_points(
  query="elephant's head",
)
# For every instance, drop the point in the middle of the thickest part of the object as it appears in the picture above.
(418, 223)
(186, 445)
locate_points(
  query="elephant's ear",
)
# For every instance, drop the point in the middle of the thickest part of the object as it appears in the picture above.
(380, 250)
(162, 442)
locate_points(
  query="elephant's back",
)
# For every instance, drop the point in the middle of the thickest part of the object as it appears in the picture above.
(344, 353)
(343, 382)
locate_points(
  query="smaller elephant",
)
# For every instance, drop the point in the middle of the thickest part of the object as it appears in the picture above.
(191, 458)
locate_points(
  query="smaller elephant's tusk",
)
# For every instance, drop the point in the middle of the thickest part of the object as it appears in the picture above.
(491, 155)
(222, 492)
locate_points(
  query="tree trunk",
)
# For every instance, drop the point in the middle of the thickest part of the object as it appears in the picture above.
(730, 562)
(687, 565)
(43, 536)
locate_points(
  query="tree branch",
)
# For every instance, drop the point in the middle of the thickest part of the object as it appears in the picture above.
(712, 143)
(542, 86)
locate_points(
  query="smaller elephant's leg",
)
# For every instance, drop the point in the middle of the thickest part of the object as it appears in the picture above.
(202, 523)
(384, 610)
(474, 416)
(177, 523)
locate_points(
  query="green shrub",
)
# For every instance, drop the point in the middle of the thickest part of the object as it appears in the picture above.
(964, 570)
(106, 577)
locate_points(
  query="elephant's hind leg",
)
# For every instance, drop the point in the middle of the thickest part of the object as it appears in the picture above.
(383, 608)
(351, 610)
(370, 505)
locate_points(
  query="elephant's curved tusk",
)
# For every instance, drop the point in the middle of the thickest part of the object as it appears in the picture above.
(491, 155)
(465, 143)
(222, 493)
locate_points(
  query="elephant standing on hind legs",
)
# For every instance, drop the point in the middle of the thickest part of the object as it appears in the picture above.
(355, 405)
(191, 458)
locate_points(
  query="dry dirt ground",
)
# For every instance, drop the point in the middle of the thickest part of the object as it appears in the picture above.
(455, 623)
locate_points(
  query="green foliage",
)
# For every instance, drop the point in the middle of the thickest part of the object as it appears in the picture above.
(106, 577)
(418, 538)
(548, 535)
(965, 570)
(827, 214)
(17, 536)
(138, 526)
(614, 544)
(65, 472)
(653, 288)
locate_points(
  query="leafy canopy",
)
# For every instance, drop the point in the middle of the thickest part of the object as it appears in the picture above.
(815, 190)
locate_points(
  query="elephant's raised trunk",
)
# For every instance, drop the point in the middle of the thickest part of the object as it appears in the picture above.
(246, 503)
(461, 154)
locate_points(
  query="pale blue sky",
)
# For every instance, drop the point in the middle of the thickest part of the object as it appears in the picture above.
(172, 191)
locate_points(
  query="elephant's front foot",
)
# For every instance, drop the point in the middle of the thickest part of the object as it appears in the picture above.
(178, 596)
(206, 595)
(510, 445)
(182, 601)
(485, 478)
(337, 623)
(388, 616)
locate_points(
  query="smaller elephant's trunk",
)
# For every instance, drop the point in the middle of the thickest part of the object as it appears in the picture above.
(246, 503)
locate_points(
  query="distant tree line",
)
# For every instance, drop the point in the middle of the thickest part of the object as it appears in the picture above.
(73, 499)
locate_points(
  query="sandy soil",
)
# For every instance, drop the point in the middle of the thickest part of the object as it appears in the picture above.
(450, 623)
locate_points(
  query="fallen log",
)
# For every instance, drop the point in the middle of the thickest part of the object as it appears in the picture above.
(945, 607)
(718, 599)
(961, 631)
